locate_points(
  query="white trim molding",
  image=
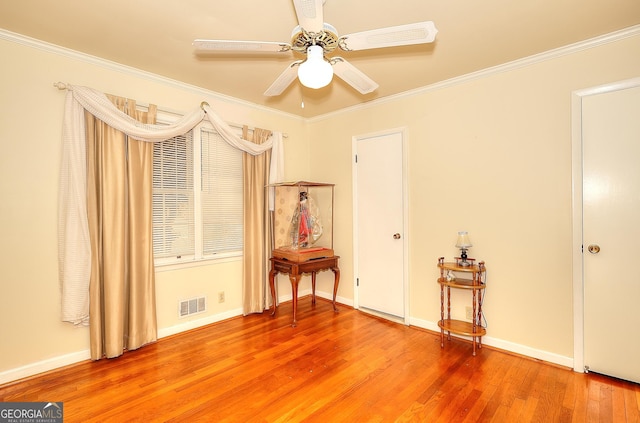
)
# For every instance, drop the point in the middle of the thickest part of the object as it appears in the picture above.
(576, 204)
(505, 67)
(526, 61)
(501, 344)
(32, 369)
(403, 131)
(43, 366)
(128, 70)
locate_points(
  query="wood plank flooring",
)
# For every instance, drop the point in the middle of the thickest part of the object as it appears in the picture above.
(334, 367)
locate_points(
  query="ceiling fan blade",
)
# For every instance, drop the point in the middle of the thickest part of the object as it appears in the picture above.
(353, 76)
(284, 80)
(310, 14)
(402, 35)
(241, 46)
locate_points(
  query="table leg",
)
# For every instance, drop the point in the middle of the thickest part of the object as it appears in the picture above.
(442, 316)
(448, 310)
(480, 315)
(272, 287)
(313, 288)
(295, 279)
(336, 281)
(475, 321)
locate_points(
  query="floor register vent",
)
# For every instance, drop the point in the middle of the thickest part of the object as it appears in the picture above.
(193, 306)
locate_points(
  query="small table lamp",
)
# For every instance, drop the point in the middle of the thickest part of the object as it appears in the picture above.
(463, 243)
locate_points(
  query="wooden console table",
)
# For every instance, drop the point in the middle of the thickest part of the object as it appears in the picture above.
(295, 271)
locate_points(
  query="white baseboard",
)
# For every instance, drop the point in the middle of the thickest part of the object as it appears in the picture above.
(321, 294)
(505, 345)
(76, 357)
(193, 324)
(44, 366)
(79, 356)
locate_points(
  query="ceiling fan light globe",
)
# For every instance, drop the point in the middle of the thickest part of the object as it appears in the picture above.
(315, 72)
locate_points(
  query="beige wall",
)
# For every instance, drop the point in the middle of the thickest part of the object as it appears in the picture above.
(492, 156)
(32, 337)
(510, 130)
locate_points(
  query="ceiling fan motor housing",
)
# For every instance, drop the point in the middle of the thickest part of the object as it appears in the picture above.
(301, 39)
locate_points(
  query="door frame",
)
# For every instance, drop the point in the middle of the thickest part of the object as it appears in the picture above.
(576, 204)
(405, 218)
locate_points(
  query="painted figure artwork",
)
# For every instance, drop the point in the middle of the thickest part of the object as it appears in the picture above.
(306, 227)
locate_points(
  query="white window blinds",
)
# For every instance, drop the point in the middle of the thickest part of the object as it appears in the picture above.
(221, 190)
(197, 198)
(173, 198)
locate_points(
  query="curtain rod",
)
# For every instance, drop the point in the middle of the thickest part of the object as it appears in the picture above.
(62, 86)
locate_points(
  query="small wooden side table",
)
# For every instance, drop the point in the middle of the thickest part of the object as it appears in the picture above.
(295, 271)
(475, 281)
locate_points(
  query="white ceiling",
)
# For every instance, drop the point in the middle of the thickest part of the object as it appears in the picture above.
(156, 36)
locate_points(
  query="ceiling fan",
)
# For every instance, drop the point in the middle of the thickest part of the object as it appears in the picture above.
(314, 38)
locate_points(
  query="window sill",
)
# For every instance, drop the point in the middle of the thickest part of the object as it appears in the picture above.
(165, 267)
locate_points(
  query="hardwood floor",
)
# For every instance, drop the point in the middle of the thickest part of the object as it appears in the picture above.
(333, 367)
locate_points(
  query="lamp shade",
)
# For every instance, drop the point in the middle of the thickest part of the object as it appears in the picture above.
(315, 72)
(463, 240)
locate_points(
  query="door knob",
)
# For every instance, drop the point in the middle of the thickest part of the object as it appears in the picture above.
(396, 236)
(593, 248)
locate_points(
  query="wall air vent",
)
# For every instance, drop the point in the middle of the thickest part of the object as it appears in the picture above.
(192, 306)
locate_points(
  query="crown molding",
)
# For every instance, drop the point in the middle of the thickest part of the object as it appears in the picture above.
(591, 43)
(118, 67)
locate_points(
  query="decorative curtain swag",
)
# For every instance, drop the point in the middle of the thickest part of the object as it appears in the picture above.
(74, 248)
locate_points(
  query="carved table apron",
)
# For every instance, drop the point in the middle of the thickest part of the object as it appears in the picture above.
(295, 271)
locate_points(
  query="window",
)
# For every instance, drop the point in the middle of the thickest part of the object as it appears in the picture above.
(197, 198)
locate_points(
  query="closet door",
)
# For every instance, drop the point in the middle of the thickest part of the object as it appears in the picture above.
(379, 223)
(611, 229)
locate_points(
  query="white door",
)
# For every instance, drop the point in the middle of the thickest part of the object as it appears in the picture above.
(611, 231)
(379, 223)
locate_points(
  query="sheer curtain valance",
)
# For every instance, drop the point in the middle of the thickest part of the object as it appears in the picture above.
(74, 250)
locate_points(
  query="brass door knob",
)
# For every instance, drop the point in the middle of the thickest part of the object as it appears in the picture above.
(396, 236)
(593, 248)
